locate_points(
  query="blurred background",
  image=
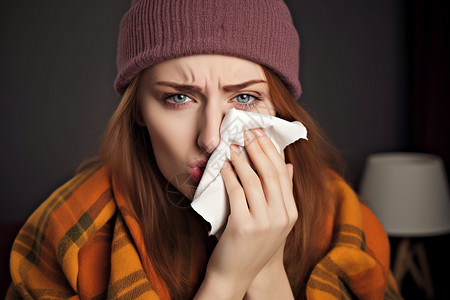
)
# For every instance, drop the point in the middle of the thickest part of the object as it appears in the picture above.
(375, 74)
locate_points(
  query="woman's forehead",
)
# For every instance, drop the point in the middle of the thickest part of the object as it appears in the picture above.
(206, 69)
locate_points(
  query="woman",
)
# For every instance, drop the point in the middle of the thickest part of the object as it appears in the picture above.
(295, 229)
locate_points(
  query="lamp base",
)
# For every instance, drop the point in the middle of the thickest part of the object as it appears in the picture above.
(408, 253)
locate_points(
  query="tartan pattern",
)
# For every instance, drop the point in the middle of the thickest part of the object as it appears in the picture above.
(80, 219)
(357, 264)
(128, 279)
(83, 243)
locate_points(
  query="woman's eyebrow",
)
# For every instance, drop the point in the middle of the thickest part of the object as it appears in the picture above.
(240, 86)
(186, 88)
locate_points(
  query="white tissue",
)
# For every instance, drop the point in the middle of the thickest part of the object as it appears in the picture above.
(211, 199)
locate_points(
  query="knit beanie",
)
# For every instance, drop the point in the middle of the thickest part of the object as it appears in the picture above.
(152, 31)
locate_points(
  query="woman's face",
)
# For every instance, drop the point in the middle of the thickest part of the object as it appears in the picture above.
(182, 103)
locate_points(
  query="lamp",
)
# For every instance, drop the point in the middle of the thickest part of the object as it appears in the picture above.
(409, 194)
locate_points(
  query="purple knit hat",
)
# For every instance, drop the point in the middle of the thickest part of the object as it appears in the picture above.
(261, 31)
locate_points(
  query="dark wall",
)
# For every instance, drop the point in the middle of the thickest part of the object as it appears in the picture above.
(58, 66)
(353, 72)
(56, 76)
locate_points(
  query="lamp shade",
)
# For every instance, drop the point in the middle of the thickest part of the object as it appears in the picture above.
(408, 192)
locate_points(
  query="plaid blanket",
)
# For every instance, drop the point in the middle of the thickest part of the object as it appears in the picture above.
(78, 245)
(357, 264)
(82, 243)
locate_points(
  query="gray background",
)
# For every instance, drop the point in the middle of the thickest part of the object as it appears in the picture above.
(58, 65)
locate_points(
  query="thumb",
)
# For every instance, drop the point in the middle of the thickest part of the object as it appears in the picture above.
(290, 168)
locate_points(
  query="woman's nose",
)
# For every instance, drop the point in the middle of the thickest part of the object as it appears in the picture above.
(209, 127)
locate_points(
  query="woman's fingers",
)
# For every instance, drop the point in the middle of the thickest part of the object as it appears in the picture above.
(268, 161)
(236, 195)
(268, 173)
(259, 221)
(250, 183)
(266, 192)
(275, 174)
(291, 206)
(269, 149)
(290, 168)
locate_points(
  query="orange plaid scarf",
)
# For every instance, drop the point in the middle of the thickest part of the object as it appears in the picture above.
(82, 243)
(78, 245)
(357, 264)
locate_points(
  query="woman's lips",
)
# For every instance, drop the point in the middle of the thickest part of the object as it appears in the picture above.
(196, 170)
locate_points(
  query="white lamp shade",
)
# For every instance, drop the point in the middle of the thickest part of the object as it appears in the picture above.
(408, 192)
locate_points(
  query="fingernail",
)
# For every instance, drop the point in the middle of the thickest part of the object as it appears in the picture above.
(235, 148)
(248, 135)
(226, 165)
(259, 132)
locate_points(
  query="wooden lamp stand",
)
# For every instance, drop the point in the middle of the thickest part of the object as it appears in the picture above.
(411, 257)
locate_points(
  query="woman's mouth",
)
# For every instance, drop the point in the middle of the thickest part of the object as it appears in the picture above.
(196, 170)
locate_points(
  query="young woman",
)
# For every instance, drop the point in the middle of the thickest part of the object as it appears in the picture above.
(118, 228)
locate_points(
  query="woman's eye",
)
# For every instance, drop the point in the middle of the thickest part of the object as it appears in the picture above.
(179, 98)
(245, 98)
(176, 101)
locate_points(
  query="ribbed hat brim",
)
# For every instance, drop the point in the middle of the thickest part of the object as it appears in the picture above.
(262, 31)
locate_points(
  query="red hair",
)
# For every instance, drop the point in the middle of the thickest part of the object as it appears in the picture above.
(312, 159)
(127, 151)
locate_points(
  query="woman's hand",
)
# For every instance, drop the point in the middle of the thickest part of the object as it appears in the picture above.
(262, 213)
(272, 281)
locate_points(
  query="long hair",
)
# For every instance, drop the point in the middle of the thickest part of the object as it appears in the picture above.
(312, 160)
(127, 151)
